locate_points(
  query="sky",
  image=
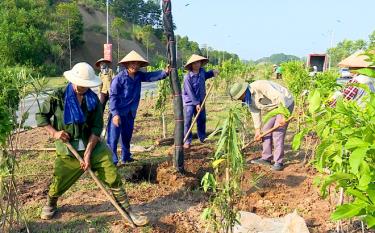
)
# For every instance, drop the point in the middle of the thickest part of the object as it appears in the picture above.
(258, 28)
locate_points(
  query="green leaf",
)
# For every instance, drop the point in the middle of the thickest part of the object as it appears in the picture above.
(281, 110)
(357, 194)
(367, 72)
(297, 139)
(370, 221)
(314, 102)
(371, 192)
(356, 158)
(347, 211)
(365, 176)
(355, 142)
(334, 178)
(217, 162)
(207, 212)
(208, 181)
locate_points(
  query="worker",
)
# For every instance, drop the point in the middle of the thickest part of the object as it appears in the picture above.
(314, 71)
(74, 114)
(262, 96)
(279, 72)
(106, 75)
(194, 91)
(353, 92)
(125, 94)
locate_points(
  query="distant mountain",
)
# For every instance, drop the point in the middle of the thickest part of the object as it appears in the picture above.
(277, 58)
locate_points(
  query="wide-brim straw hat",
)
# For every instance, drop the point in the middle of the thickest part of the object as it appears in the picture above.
(83, 75)
(238, 89)
(97, 63)
(195, 58)
(133, 56)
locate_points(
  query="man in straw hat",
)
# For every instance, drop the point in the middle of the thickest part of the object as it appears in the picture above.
(262, 96)
(106, 75)
(78, 119)
(125, 94)
(194, 91)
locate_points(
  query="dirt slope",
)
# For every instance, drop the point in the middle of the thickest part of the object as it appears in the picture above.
(92, 49)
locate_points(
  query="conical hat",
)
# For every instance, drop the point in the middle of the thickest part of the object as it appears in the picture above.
(97, 63)
(356, 60)
(195, 58)
(134, 56)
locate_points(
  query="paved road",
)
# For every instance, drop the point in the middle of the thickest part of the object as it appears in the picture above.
(32, 105)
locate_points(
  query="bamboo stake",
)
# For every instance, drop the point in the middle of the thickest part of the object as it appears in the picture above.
(341, 200)
(101, 186)
(196, 116)
(265, 133)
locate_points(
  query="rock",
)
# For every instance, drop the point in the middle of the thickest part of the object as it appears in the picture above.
(252, 223)
(92, 230)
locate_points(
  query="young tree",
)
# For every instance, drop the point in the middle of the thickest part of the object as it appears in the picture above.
(117, 25)
(67, 29)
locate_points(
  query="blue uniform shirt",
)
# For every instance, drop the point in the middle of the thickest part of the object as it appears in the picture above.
(195, 87)
(125, 91)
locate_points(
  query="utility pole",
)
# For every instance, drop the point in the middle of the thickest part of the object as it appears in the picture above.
(331, 46)
(107, 3)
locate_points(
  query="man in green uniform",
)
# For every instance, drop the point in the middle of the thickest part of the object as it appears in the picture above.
(106, 75)
(74, 114)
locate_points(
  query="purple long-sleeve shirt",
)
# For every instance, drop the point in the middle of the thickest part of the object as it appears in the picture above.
(195, 87)
(125, 91)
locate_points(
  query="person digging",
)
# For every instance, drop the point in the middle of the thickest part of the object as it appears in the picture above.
(74, 115)
(262, 96)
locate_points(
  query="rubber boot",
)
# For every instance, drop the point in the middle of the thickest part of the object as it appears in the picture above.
(50, 209)
(138, 220)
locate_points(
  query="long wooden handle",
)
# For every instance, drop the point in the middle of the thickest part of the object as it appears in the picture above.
(265, 133)
(196, 116)
(101, 186)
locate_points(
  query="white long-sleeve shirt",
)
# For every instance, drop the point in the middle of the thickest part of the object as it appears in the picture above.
(266, 96)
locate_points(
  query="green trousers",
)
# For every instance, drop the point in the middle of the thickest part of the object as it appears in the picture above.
(67, 171)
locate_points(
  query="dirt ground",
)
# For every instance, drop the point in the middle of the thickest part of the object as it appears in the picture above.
(171, 201)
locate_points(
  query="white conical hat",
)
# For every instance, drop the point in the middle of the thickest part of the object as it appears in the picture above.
(134, 56)
(83, 75)
(195, 58)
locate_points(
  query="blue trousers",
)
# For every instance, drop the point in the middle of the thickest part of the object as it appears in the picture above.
(126, 132)
(189, 112)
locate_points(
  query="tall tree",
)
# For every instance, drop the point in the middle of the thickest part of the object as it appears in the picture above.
(344, 49)
(117, 27)
(138, 12)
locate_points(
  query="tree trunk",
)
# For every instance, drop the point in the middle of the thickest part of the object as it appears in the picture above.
(176, 86)
(118, 45)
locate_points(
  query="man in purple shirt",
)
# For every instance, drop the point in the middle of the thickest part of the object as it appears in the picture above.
(125, 94)
(193, 95)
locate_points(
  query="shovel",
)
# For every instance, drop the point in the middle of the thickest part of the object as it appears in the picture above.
(265, 133)
(197, 115)
(101, 186)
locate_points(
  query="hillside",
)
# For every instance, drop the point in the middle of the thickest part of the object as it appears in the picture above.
(94, 37)
(277, 58)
